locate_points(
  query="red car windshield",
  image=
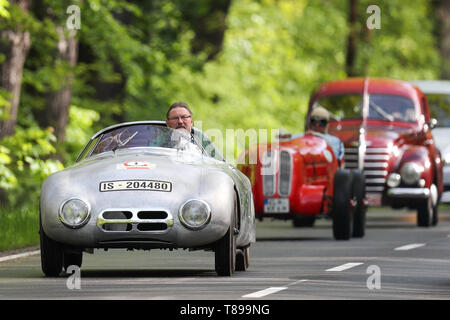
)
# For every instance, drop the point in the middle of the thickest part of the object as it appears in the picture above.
(381, 107)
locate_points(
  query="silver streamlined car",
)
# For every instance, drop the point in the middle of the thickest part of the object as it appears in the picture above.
(141, 185)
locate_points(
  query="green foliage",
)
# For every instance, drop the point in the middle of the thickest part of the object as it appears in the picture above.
(405, 47)
(25, 162)
(79, 129)
(4, 4)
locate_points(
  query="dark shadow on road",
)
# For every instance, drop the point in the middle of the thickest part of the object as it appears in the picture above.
(150, 273)
(293, 239)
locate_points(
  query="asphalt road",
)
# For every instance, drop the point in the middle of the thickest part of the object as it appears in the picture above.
(395, 260)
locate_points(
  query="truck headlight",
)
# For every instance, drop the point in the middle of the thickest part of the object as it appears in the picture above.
(195, 214)
(394, 180)
(411, 172)
(74, 212)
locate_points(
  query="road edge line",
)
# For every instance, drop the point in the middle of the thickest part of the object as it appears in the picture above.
(20, 255)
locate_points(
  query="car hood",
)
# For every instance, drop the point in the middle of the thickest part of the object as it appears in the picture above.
(376, 135)
(181, 169)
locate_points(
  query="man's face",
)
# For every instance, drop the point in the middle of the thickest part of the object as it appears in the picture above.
(318, 124)
(179, 118)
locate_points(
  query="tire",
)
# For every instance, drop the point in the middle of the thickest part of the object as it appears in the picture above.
(51, 255)
(360, 210)
(427, 213)
(342, 211)
(72, 258)
(225, 251)
(424, 213)
(300, 221)
(242, 259)
(434, 218)
(225, 254)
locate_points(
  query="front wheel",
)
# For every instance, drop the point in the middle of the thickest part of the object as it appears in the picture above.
(51, 255)
(427, 211)
(72, 258)
(359, 213)
(342, 210)
(225, 254)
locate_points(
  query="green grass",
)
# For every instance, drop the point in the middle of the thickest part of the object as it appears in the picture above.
(19, 227)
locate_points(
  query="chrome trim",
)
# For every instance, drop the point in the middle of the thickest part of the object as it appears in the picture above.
(269, 178)
(422, 193)
(376, 180)
(362, 149)
(187, 225)
(88, 216)
(377, 157)
(375, 173)
(281, 179)
(378, 150)
(134, 221)
(374, 188)
(375, 165)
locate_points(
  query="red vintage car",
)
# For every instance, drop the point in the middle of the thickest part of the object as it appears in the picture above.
(298, 178)
(385, 126)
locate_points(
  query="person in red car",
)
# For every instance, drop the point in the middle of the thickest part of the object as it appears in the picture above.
(318, 125)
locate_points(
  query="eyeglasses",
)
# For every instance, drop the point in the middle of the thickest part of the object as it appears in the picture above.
(183, 118)
(320, 121)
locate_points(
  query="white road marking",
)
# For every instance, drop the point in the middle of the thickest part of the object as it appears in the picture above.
(345, 266)
(296, 282)
(265, 292)
(409, 246)
(20, 255)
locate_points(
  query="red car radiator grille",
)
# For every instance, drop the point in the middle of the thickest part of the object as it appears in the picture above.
(283, 172)
(375, 166)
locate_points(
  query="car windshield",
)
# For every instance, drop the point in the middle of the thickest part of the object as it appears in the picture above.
(344, 106)
(439, 105)
(381, 107)
(145, 135)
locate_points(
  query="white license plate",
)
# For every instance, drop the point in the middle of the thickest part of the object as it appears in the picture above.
(149, 185)
(374, 199)
(278, 205)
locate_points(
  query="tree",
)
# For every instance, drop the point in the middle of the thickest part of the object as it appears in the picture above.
(442, 9)
(59, 101)
(208, 20)
(352, 38)
(17, 45)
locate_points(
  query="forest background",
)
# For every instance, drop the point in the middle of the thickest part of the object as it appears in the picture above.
(70, 68)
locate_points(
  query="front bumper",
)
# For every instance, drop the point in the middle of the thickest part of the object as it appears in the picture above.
(410, 193)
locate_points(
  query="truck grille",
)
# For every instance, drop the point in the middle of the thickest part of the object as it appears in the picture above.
(375, 166)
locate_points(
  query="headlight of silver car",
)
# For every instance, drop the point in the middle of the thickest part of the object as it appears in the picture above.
(74, 213)
(411, 172)
(195, 214)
